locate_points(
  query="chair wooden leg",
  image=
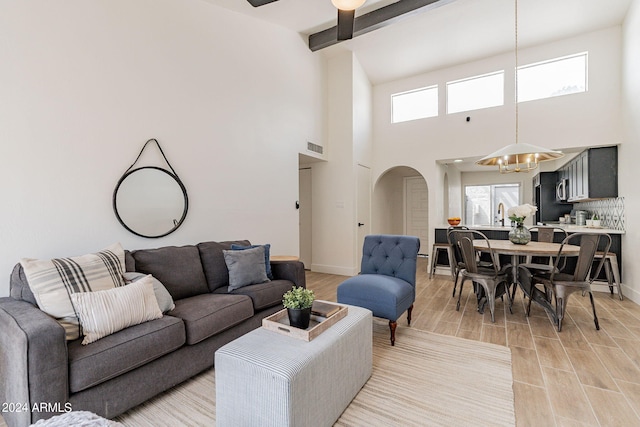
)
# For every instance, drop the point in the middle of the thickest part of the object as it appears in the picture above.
(392, 327)
(409, 310)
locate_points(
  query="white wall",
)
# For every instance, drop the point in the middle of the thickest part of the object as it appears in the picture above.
(349, 143)
(84, 84)
(591, 118)
(629, 152)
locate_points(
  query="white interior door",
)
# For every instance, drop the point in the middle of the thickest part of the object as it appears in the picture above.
(304, 215)
(363, 209)
(417, 210)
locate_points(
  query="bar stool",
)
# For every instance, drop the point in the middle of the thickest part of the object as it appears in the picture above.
(437, 247)
(612, 270)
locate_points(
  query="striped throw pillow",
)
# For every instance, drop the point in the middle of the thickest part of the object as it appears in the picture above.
(53, 281)
(103, 313)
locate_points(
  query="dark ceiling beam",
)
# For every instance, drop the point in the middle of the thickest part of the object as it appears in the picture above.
(373, 20)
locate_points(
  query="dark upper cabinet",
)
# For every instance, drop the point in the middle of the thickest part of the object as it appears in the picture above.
(593, 174)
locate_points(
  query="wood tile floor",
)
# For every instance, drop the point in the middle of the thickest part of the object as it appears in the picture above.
(577, 377)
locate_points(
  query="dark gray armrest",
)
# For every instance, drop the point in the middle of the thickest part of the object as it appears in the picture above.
(33, 361)
(289, 270)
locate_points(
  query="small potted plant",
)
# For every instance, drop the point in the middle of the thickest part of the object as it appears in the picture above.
(595, 220)
(298, 302)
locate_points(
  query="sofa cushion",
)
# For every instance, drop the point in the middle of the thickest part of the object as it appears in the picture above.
(123, 351)
(103, 313)
(129, 261)
(263, 295)
(177, 268)
(52, 281)
(215, 269)
(245, 267)
(208, 314)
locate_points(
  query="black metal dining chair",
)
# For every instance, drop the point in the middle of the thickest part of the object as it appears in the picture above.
(543, 264)
(493, 280)
(544, 234)
(560, 284)
(457, 263)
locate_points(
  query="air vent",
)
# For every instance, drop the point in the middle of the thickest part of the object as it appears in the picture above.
(314, 147)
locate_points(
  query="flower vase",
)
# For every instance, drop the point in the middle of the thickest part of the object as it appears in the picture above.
(519, 234)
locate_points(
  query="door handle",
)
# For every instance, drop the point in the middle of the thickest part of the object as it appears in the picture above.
(360, 224)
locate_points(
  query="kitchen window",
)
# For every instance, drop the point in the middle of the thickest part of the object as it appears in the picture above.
(481, 203)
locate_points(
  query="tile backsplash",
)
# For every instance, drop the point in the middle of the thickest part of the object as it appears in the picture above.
(610, 211)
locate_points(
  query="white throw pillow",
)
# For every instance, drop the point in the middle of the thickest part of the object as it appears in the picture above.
(52, 281)
(102, 313)
(165, 302)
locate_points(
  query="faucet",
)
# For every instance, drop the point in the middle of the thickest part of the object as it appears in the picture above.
(501, 211)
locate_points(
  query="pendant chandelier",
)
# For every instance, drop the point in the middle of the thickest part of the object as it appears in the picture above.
(518, 157)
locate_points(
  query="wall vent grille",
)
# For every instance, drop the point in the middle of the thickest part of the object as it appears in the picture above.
(314, 147)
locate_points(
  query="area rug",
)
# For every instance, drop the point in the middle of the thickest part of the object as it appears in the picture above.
(426, 379)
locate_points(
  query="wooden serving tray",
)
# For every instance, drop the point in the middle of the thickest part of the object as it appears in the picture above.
(279, 322)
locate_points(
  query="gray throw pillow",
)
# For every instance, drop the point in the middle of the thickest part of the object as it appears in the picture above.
(246, 267)
(165, 302)
(267, 248)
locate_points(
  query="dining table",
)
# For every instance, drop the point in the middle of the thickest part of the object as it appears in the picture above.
(531, 249)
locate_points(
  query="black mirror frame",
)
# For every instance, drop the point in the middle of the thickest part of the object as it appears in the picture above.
(172, 174)
(184, 193)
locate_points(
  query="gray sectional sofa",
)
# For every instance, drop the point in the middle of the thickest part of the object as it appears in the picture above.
(40, 370)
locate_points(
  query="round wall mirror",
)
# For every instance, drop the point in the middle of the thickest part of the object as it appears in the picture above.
(150, 201)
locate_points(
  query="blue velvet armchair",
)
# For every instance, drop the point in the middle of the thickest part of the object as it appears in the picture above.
(387, 280)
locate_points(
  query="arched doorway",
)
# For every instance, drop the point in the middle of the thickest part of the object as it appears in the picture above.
(400, 204)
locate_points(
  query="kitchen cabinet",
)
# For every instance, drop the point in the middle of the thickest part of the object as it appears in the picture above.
(593, 174)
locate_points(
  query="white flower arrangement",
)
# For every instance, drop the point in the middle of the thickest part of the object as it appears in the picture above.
(519, 213)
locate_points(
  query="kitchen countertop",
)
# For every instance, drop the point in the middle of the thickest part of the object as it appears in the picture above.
(570, 228)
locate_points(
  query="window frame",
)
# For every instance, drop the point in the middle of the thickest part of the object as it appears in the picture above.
(420, 89)
(584, 54)
(493, 202)
(471, 78)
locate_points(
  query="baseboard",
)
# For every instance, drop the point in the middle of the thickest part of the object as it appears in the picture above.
(333, 269)
(627, 292)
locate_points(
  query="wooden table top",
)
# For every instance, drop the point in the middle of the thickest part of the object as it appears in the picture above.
(281, 258)
(505, 247)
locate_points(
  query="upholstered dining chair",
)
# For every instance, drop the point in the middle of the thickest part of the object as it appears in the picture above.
(494, 280)
(561, 284)
(387, 280)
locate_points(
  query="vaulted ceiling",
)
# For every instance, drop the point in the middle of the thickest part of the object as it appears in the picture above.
(443, 34)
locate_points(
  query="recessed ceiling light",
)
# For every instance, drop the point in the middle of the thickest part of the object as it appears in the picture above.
(458, 161)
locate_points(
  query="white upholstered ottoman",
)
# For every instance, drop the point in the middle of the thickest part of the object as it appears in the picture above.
(268, 379)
